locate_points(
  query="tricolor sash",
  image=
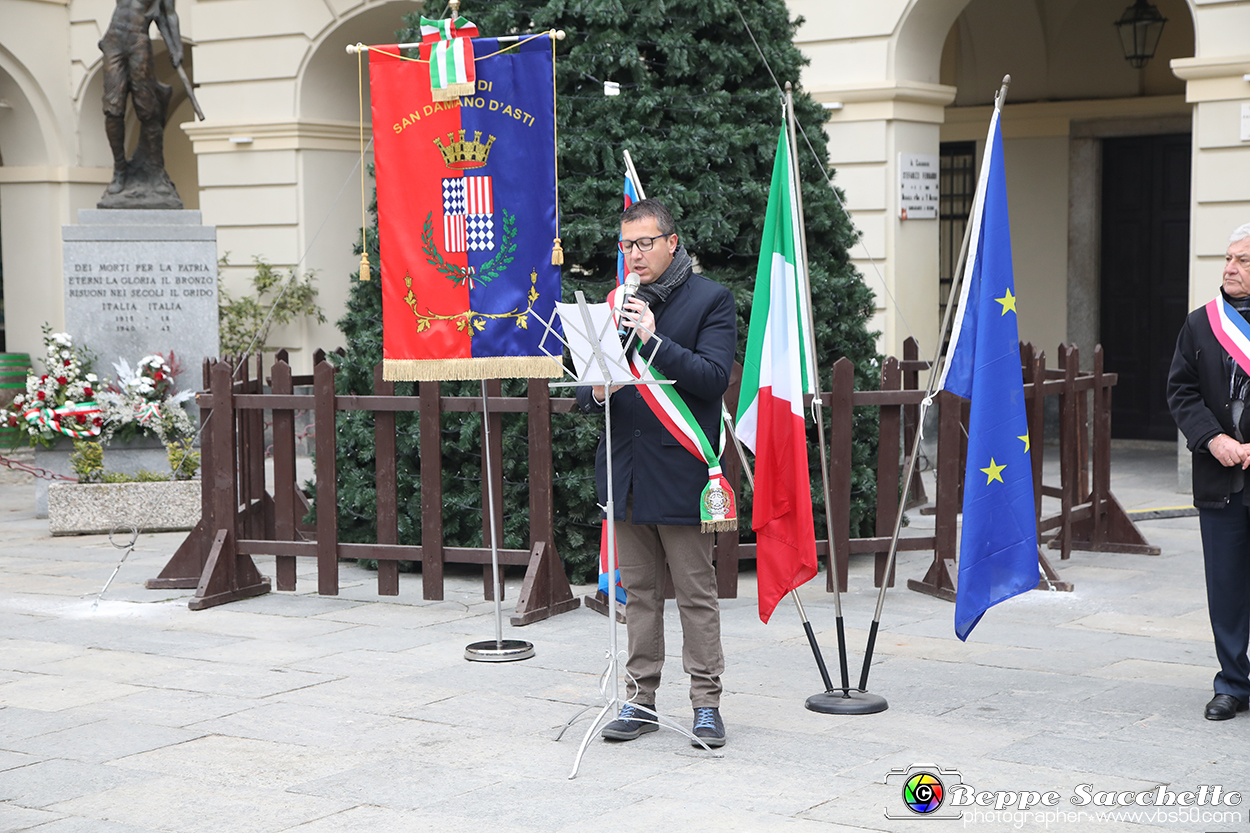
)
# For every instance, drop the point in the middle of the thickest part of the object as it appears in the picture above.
(718, 511)
(451, 58)
(1231, 330)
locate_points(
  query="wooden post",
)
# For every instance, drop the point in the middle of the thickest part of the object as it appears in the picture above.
(327, 481)
(888, 422)
(284, 471)
(430, 408)
(942, 576)
(227, 575)
(545, 590)
(387, 484)
(1069, 459)
(841, 426)
(726, 551)
(184, 568)
(916, 496)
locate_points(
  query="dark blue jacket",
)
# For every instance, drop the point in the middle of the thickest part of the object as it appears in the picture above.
(700, 334)
(1198, 396)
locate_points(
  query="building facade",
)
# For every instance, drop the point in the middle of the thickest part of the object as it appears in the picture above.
(1123, 182)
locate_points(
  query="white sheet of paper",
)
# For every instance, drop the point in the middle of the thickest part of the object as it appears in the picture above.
(580, 343)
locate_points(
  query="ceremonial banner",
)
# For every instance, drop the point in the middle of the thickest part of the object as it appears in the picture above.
(775, 374)
(998, 541)
(466, 214)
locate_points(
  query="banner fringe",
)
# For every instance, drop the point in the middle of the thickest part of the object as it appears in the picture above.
(495, 367)
(727, 525)
(453, 91)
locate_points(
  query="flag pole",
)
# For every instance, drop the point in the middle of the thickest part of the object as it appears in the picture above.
(843, 700)
(933, 378)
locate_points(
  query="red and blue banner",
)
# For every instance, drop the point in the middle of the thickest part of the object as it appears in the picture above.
(466, 214)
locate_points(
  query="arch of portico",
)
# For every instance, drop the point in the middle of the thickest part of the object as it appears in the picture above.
(906, 75)
(276, 155)
(33, 175)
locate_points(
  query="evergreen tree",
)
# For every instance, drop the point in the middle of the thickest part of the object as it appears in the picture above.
(699, 113)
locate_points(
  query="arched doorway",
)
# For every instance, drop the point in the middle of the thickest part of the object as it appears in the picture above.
(1098, 159)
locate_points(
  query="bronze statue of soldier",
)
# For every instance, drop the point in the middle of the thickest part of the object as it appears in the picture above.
(129, 70)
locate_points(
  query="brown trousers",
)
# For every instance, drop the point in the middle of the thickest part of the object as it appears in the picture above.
(644, 550)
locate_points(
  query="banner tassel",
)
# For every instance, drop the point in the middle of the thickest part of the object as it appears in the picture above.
(557, 253)
(364, 219)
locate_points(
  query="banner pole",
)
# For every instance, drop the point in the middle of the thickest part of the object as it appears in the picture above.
(952, 302)
(499, 649)
(843, 700)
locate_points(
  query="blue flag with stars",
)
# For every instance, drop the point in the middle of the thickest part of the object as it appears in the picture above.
(998, 542)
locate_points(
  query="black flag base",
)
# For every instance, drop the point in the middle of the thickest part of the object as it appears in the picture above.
(504, 650)
(847, 701)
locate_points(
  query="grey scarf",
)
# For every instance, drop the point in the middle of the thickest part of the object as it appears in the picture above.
(675, 275)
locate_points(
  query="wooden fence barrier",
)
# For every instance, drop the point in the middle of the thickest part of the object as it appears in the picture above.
(241, 519)
(1088, 518)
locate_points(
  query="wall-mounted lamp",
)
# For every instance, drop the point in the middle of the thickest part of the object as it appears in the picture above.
(240, 140)
(831, 105)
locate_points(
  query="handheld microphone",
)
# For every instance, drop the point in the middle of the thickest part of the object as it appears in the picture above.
(630, 289)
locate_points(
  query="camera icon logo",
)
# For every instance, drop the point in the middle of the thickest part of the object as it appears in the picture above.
(924, 789)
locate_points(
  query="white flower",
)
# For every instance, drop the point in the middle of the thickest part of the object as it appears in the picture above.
(91, 377)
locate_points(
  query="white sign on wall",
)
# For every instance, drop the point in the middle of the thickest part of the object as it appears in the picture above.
(918, 186)
(1245, 122)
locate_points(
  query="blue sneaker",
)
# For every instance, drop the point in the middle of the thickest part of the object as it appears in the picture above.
(708, 727)
(632, 722)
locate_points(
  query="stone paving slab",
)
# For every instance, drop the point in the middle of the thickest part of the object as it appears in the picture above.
(300, 712)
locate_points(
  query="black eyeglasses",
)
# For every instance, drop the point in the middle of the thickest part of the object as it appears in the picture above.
(644, 244)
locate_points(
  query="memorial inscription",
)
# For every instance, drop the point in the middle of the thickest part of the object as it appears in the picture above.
(142, 282)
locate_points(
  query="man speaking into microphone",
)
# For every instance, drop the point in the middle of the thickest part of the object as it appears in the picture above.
(666, 447)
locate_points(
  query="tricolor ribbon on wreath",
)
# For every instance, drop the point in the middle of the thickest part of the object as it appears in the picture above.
(718, 511)
(147, 412)
(62, 420)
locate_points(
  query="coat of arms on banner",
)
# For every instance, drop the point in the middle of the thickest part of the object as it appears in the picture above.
(468, 221)
(466, 215)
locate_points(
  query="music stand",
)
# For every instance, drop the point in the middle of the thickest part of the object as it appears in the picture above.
(599, 359)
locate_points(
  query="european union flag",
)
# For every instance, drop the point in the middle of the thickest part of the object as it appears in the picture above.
(998, 544)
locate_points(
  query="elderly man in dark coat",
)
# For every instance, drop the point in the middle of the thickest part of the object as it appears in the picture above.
(1208, 387)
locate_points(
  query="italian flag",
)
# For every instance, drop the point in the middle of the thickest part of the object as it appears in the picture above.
(775, 375)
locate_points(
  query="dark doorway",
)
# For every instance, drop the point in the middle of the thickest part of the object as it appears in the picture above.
(1144, 276)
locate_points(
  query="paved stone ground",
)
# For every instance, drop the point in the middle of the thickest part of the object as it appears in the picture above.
(294, 712)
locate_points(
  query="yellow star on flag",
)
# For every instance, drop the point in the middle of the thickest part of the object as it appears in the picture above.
(1008, 301)
(994, 472)
(1025, 437)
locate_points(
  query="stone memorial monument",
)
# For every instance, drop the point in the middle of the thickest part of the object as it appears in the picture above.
(140, 272)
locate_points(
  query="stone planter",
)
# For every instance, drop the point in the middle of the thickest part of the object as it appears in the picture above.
(127, 458)
(85, 508)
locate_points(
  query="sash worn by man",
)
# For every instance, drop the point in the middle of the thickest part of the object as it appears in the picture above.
(1208, 388)
(662, 479)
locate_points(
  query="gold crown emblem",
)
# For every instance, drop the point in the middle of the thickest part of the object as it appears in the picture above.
(460, 154)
